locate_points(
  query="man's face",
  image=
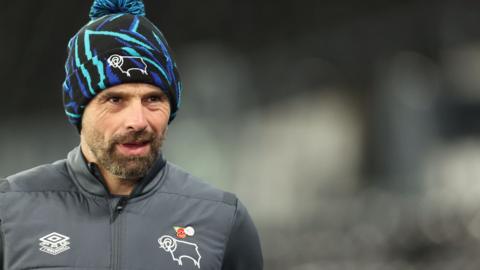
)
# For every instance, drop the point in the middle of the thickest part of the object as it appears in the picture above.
(124, 126)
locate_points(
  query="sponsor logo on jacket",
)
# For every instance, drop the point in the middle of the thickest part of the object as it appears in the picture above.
(54, 243)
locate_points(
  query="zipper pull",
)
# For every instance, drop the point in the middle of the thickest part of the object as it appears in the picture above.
(119, 208)
(121, 205)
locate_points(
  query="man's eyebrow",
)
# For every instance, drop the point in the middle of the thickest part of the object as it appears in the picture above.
(155, 93)
(125, 94)
(114, 94)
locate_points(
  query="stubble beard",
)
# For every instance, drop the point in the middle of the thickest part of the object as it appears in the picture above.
(126, 168)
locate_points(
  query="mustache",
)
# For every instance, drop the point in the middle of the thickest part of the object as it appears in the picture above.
(141, 136)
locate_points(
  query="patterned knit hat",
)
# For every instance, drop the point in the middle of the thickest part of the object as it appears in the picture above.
(119, 45)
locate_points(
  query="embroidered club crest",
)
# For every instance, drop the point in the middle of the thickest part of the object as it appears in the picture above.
(127, 64)
(180, 250)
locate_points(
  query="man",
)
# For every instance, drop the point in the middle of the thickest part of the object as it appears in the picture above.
(114, 202)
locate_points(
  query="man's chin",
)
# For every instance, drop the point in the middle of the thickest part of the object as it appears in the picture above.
(132, 166)
(131, 169)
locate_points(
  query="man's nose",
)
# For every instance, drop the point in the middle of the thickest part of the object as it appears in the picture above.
(135, 116)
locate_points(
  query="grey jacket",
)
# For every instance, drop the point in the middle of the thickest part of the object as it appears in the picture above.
(61, 216)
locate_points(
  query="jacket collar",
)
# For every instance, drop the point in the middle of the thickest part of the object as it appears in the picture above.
(87, 177)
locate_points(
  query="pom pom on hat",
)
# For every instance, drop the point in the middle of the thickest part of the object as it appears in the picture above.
(106, 7)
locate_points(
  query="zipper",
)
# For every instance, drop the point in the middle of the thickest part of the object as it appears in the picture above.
(117, 227)
(115, 208)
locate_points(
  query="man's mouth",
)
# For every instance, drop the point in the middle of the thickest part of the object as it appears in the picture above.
(134, 148)
(135, 144)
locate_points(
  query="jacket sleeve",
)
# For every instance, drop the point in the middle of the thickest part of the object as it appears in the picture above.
(243, 250)
(1, 251)
(3, 188)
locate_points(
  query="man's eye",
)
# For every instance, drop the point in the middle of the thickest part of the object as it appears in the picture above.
(154, 99)
(114, 99)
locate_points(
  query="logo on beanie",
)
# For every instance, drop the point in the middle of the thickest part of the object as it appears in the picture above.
(127, 64)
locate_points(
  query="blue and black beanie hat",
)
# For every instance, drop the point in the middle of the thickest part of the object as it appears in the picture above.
(119, 45)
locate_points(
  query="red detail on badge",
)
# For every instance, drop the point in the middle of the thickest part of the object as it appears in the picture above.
(181, 233)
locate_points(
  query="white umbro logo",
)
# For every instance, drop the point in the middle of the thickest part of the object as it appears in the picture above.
(54, 243)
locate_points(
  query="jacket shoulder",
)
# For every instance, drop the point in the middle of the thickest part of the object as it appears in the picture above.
(179, 181)
(48, 177)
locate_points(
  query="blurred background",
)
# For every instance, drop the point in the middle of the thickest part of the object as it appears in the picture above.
(348, 128)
